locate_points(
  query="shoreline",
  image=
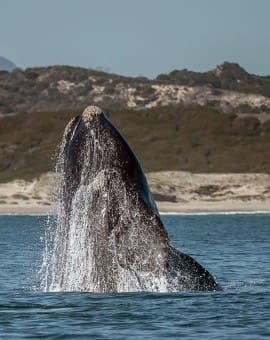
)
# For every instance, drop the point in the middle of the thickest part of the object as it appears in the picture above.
(175, 192)
(226, 206)
(169, 213)
(165, 208)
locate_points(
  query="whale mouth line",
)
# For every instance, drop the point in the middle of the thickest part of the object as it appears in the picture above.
(75, 129)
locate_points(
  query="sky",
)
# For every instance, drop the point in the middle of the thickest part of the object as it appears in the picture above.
(137, 37)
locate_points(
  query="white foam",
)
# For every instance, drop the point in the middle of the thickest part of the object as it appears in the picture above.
(94, 247)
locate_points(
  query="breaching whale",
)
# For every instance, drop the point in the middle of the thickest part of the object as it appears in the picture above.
(109, 236)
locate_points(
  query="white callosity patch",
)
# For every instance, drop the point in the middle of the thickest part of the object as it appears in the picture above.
(90, 112)
(102, 242)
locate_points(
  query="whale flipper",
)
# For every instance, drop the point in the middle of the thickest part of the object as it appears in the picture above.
(187, 274)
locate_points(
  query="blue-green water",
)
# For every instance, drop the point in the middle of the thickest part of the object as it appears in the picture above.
(234, 248)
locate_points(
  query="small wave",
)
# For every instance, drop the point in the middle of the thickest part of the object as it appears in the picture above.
(204, 213)
(236, 285)
(24, 214)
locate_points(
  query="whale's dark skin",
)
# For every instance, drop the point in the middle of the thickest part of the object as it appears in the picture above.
(115, 160)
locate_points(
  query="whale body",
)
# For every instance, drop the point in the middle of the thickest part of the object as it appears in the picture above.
(109, 236)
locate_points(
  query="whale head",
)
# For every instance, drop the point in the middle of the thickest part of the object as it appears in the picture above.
(93, 145)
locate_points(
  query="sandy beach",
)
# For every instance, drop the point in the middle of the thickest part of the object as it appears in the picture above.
(187, 192)
(180, 192)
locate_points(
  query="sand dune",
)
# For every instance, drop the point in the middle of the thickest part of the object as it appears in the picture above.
(28, 197)
(187, 192)
(174, 191)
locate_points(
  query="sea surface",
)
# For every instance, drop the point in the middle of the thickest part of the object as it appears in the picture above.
(235, 248)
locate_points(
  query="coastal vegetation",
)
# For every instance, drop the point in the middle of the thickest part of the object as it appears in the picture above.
(195, 138)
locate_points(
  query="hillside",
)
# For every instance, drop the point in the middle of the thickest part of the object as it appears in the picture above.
(197, 139)
(198, 122)
(228, 88)
(228, 76)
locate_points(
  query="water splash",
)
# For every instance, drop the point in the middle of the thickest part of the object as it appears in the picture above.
(100, 241)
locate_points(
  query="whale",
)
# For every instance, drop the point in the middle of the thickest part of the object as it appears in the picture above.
(109, 236)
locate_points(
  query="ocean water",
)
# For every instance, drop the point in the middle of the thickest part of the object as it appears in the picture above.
(234, 248)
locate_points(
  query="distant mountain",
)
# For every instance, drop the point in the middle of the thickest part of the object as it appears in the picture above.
(228, 87)
(6, 65)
